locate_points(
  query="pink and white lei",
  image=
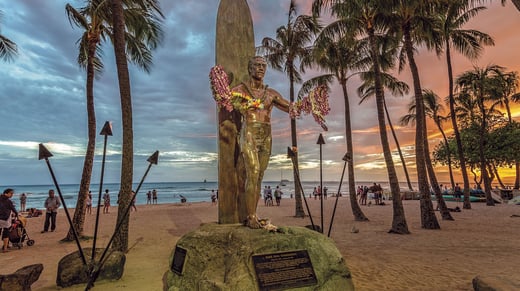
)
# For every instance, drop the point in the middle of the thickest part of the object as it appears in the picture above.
(316, 103)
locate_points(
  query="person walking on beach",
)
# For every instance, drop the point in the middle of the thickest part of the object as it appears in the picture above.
(265, 195)
(89, 202)
(52, 203)
(458, 193)
(132, 204)
(6, 211)
(106, 201)
(154, 196)
(325, 189)
(213, 197)
(278, 195)
(23, 201)
(364, 195)
(149, 197)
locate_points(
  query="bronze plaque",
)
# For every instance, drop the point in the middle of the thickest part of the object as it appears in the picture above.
(278, 271)
(178, 260)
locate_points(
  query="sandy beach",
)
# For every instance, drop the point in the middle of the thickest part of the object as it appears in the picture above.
(481, 241)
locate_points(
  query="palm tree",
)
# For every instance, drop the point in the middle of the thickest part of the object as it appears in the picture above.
(8, 48)
(432, 108)
(367, 18)
(412, 24)
(96, 21)
(510, 94)
(148, 31)
(484, 84)
(338, 55)
(283, 53)
(396, 87)
(451, 20)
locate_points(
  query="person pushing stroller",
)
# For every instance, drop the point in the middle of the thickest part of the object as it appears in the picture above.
(7, 209)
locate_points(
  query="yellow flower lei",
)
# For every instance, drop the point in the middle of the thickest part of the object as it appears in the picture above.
(251, 103)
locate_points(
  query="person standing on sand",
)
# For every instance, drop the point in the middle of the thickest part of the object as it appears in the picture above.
(149, 197)
(23, 201)
(6, 210)
(52, 203)
(89, 202)
(213, 197)
(154, 196)
(106, 201)
(132, 204)
(278, 195)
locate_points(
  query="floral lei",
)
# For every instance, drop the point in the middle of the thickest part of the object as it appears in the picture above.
(316, 103)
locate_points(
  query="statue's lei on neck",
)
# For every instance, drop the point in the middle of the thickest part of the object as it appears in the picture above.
(253, 95)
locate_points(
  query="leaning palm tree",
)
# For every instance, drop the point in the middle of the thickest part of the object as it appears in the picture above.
(291, 47)
(396, 88)
(96, 21)
(432, 108)
(451, 20)
(368, 18)
(338, 56)
(8, 48)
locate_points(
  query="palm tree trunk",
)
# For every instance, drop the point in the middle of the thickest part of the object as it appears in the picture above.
(448, 153)
(495, 170)
(460, 152)
(482, 156)
(399, 224)
(79, 213)
(121, 238)
(297, 190)
(398, 149)
(441, 204)
(517, 177)
(356, 210)
(428, 218)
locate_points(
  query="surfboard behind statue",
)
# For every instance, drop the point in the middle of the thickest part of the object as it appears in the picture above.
(235, 45)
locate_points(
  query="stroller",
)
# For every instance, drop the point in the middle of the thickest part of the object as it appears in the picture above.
(18, 233)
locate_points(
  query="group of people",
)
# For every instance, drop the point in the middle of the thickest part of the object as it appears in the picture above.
(318, 193)
(268, 196)
(151, 197)
(375, 189)
(52, 203)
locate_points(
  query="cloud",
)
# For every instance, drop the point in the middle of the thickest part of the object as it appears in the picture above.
(43, 98)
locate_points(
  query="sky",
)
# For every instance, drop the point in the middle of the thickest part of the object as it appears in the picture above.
(42, 97)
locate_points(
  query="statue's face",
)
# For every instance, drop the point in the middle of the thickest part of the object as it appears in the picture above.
(258, 68)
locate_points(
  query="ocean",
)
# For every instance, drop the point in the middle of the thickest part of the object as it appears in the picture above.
(167, 192)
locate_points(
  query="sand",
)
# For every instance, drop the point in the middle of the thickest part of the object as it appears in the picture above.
(482, 241)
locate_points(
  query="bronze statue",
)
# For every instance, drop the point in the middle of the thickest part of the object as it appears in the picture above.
(255, 101)
(245, 138)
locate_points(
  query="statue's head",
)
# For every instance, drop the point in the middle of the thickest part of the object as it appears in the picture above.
(257, 64)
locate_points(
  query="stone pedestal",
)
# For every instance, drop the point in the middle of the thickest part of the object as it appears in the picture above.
(219, 257)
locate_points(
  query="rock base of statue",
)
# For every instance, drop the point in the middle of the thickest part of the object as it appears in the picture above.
(234, 257)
